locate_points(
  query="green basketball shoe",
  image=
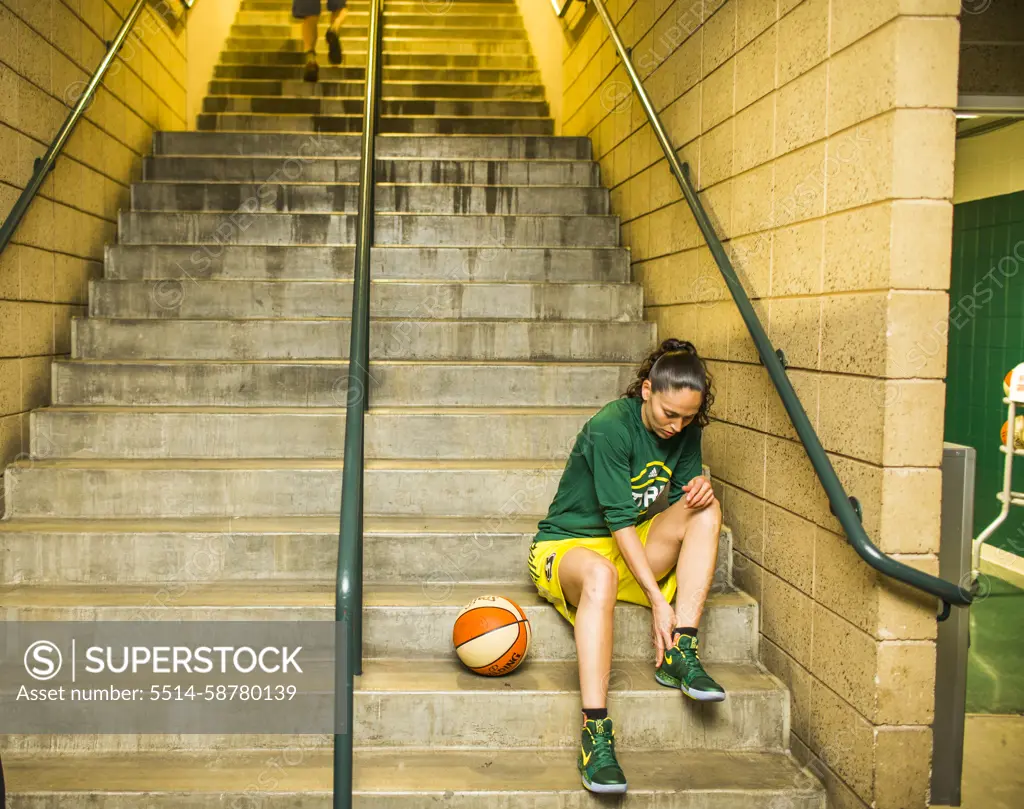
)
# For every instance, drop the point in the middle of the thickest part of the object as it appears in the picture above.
(682, 669)
(597, 764)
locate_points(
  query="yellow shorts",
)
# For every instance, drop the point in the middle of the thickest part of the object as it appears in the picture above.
(546, 556)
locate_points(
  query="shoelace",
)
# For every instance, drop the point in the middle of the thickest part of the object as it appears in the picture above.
(691, 660)
(603, 754)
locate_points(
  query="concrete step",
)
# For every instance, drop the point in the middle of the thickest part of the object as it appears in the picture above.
(411, 15)
(394, 89)
(437, 7)
(302, 196)
(426, 40)
(232, 122)
(438, 147)
(277, 487)
(300, 299)
(398, 433)
(512, 68)
(574, 173)
(294, 87)
(270, 262)
(483, 230)
(298, 778)
(399, 339)
(238, 123)
(353, 67)
(422, 62)
(502, 26)
(285, 28)
(273, 65)
(525, 87)
(397, 550)
(353, 42)
(325, 383)
(316, 105)
(505, 28)
(407, 622)
(425, 551)
(252, 169)
(446, 706)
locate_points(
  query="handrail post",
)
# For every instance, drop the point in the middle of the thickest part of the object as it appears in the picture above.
(348, 608)
(948, 592)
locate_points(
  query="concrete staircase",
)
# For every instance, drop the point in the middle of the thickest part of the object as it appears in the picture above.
(189, 467)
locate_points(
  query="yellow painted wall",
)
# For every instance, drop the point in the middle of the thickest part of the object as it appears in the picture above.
(208, 27)
(547, 39)
(989, 165)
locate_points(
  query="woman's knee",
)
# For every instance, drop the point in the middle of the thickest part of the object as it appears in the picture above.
(681, 518)
(601, 581)
(711, 514)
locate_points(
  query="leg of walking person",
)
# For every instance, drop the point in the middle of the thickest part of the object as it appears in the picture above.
(333, 36)
(309, 12)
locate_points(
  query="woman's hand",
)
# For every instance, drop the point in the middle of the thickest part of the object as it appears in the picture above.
(663, 621)
(698, 493)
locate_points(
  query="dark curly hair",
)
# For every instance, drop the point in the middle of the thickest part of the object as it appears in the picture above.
(672, 365)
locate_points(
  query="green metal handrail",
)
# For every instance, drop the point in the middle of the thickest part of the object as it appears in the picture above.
(44, 165)
(845, 508)
(348, 605)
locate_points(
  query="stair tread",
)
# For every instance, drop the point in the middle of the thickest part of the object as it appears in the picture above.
(259, 464)
(308, 96)
(296, 593)
(382, 771)
(319, 411)
(377, 184)
(394, 676)
(263, 525)
(387, 676)
(395, 159)
(460, 362)
(469, 282)
(252, 321)
(379, 214)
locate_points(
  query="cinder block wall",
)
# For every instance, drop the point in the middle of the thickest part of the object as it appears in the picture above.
(48, 50)
(821, 136)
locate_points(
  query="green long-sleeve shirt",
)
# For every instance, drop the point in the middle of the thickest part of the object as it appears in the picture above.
(616, 471)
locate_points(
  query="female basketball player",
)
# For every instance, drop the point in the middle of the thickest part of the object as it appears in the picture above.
(596, 546)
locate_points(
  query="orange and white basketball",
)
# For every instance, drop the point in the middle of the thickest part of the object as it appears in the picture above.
(491, 635)
(1018, 432)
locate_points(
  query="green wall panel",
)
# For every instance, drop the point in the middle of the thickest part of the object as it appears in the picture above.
(986, 339)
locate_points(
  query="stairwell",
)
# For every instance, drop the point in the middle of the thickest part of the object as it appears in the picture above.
(189, 467)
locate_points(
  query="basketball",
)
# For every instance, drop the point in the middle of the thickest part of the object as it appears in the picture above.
(491, 635)
(1018, 432)
(1006, 383)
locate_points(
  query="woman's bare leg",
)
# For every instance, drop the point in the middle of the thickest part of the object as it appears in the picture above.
(686, 539)
(591, 582)
(337, 18)
(309, 33)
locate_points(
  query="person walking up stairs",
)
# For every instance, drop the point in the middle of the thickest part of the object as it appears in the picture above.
(309, 12)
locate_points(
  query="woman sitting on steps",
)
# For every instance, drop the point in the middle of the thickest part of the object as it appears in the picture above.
(596, 546)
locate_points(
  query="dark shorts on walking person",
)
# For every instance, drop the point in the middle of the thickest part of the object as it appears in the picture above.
(312, 8)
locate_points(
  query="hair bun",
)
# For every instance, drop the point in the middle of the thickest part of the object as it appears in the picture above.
(672, 344)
